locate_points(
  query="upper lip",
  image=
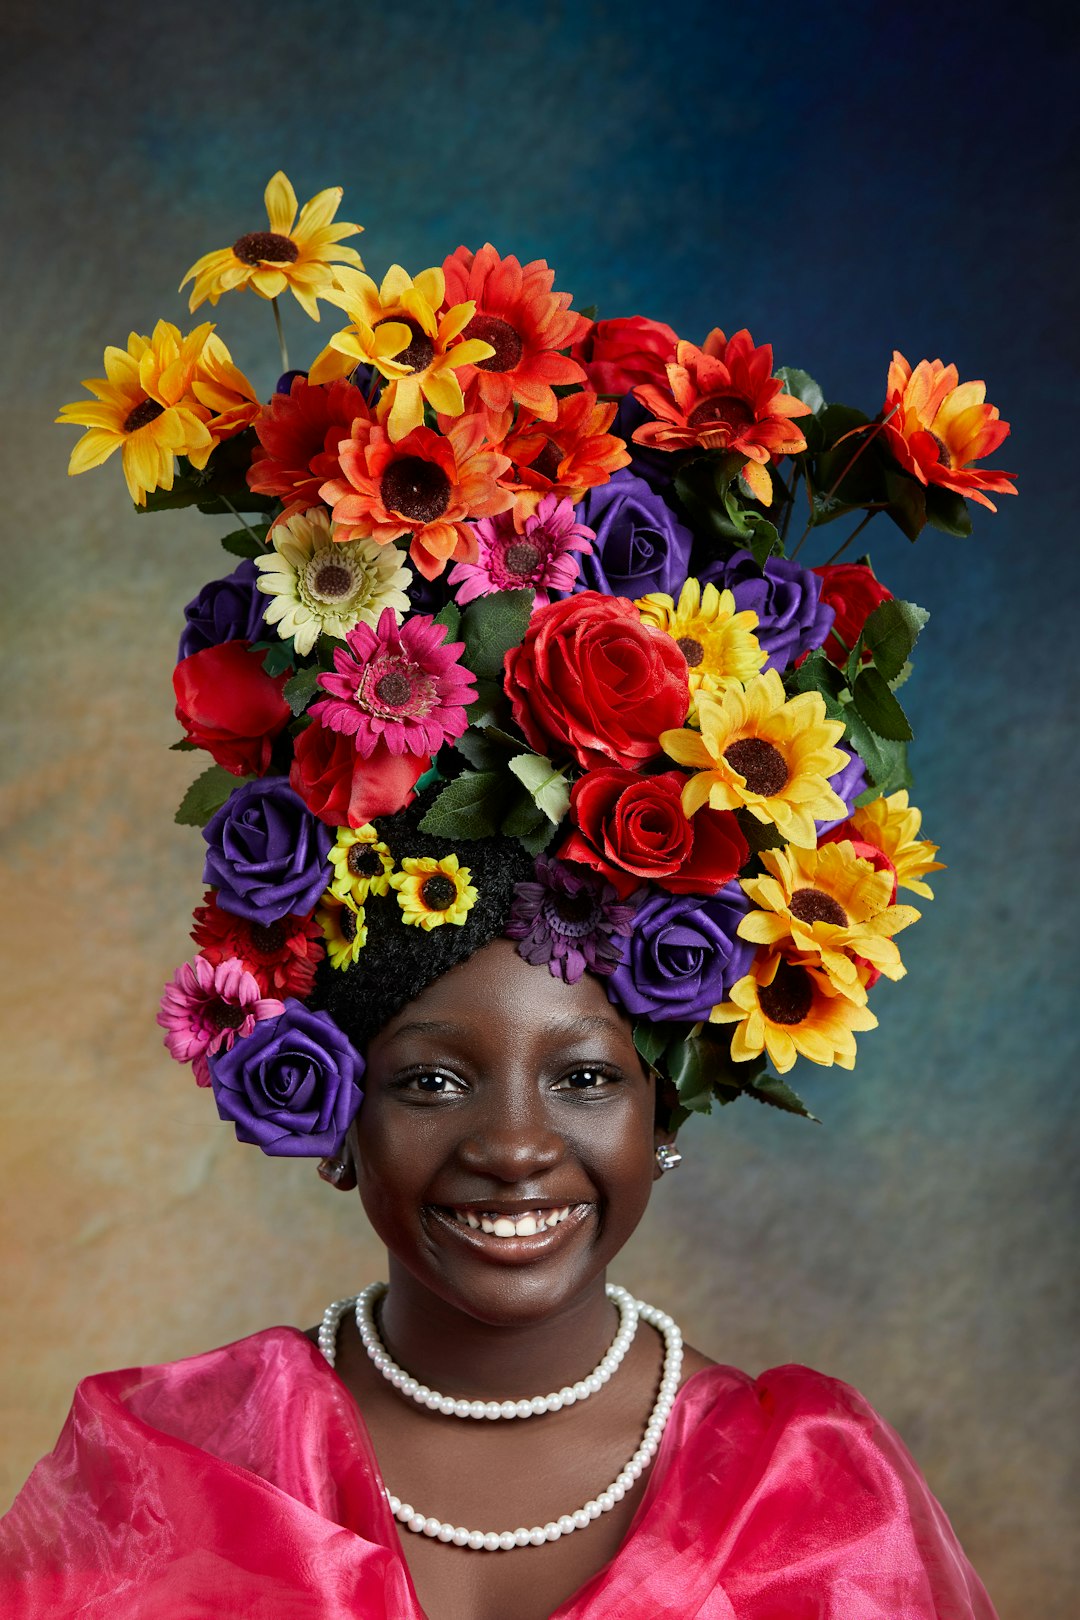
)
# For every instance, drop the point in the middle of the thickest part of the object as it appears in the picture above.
(509, 1206)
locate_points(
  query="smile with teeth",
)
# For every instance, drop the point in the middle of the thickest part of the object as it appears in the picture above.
(530, 1224)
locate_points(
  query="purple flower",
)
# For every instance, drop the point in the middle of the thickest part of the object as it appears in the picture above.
(291, 1086)
(847, 784)
(569, 920)
(792, 618)
(229, 609)
(684, 955)
(267, 852)
(640, 545)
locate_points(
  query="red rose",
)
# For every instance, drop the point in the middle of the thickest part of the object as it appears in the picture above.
(632, 829)
(591, 680)
(620, 354)
(346, 790)
(853, 591)
(228, 705)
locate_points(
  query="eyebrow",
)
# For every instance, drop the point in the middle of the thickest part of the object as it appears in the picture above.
(564, 1027)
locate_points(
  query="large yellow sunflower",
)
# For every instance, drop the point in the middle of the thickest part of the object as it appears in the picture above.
(893, 825)
(788, 1007)
(432, 892)
(758, 749)
(717, 642)
(145, 405)
(832, 906)
(298, 254)
(362, 863)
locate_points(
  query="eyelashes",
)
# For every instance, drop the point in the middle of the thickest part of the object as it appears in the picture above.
(581, 1080)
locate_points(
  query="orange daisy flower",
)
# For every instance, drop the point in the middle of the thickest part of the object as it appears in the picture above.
(525, 323)
(222, 388)
(567, 455)
(724, 397)
(937, 426)
(299, 433)
(427, 486)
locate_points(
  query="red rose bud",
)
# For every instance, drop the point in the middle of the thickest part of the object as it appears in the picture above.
(341, 787)
(228, 705)
(592, 681)
(854, 593)
(619, 354)
(632, 829)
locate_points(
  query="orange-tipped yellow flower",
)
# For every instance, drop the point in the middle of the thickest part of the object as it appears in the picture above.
(146, 407)
(298, 254)
(938, 426)
(892, 825)
(222, 388)
(787, 1007)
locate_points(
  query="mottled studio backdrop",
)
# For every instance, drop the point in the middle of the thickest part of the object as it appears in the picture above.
(840, 178)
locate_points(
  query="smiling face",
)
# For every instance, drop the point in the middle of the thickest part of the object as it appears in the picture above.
(503, 1098)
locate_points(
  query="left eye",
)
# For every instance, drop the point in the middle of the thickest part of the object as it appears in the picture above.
(586, 1078)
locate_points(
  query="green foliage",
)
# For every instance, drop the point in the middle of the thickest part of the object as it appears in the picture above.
(906, 499)
(247, 542)
(777, 1093)
(878, 706)
(221, 488)
(547, 786)
(802, 386)
(184, 746)
(450, 615)
(299, 692)
(948, 511)
(206, 794)
(890, 633)
(491, 625)
(469, 807)
(708, 490)
(280, 655)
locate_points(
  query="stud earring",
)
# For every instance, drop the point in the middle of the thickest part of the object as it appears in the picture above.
(337, 1173)
(667, 1157)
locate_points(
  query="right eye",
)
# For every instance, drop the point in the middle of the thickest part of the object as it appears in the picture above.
(430, 1083)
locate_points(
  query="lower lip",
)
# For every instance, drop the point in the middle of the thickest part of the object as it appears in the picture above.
(515, 1251)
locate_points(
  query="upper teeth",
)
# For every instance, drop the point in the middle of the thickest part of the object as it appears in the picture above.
(527, 1225)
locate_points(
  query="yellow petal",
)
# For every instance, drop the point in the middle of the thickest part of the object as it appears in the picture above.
(92, 449)
(758, 482)
(317, 214)
(280, 200)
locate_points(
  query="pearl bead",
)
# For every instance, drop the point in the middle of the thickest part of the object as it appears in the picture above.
(521, 1537)
(581, 1519)
(461, 1409)
(537, 1537)
(581, 1390)
(446, 1532)
(421, 1392)
(566, 1524)
(593, 1510)
(460, 1537)
(417, 1523)
(594, 1384)
(567, 1395)
(523, 1409)
(492, 1410)
(617, 1491)
(538, 1404)
(552, 1532)
(476, 1540)
(431, 1527)
(606, 1501)
(477, 1409)
(506, 1540)
(491, 1542)
(508, 1409)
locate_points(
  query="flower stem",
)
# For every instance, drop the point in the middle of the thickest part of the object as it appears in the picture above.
(240, 518)
(875, 429)
(280, 335)
(856, 531)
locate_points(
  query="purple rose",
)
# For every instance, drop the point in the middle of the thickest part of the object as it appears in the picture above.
(640, 544)
(684, 955)
(267, 852)
(847, 784)
(290, 1087)
(792, 618)
(229, 609)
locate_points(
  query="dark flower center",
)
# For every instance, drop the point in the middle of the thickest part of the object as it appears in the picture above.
(267, 938)
(347, 921)
(729, 409)
(574, 907)
(691, 650)
(416, 489)
(333, 580)
(790, 996)
(258, 246)
(522, 560)
(393, 689)
(547, 462)
(944, 453)
(503, 339)
(761, 766)
(147, 410)
(438, 892)
(421, 350)
(224, 1015)
(363, 861)
(814, 905)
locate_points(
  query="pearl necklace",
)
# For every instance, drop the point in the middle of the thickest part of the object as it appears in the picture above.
(581, 1518)
(493, 1410)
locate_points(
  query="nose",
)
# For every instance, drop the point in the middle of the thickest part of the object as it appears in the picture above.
(511, 1147)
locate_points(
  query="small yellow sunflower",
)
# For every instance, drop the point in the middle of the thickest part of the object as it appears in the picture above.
(145, 404)
(321, 585)
(222, 387)
(717, 642)
(362, 863)
(432, 892)
(788, 1007)
(343, 926)
(300, 256)
(832, 906)
(758, 749)
(893, 825)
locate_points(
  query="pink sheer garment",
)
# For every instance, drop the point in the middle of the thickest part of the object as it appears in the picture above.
(242, 1482)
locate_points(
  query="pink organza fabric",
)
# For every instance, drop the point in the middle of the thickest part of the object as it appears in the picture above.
(242, 1482)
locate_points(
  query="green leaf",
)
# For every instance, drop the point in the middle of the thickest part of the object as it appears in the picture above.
(890, 633)
(817, 673)
(299, 692)
(450, 615)
(759, 835)
(469, 807)
(524, 819)
(778, 1094)
(762, 538)
(206, 794)
(878, 706)
(907, 503)
(803, 386)
(280, 655)
(885, 760)
(184, 746)
(491, 626)
(536, 842)
(246, 542)
(489, 705)
(428, 779)
(688, 1068)
(651, 1040)
(948, 511)
(481, 751)
(548, 786)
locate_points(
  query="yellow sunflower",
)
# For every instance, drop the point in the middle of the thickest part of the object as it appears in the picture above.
(832, 906)
(343, 926)
(788, 1007)
(432, 892)
(362, 863)
(395, 328)
(145, 405)
(717, 642)
(299, 254)
(758, 749)
(893, 825)
(222, 387)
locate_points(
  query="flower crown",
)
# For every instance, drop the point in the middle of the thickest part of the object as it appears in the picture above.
(535, 566)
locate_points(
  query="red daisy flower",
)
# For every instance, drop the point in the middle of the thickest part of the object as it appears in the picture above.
(299, 433)
(282, 957)
(566, 456)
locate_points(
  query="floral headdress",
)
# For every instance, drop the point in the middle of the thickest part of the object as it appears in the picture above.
(546, 573)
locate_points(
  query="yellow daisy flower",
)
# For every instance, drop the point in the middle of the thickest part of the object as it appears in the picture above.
(717, 642)
(321, 585)
(395, 328)
(829, 904)
(343, 926)
(145, 405)
(222, 387)
(362, 863)
(299, 254)
(893, 825)
(787, 1007)
(758, 749)
(432, 892)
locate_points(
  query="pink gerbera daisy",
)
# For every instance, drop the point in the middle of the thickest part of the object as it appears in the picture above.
(400, 684)
(206, 1006)
(539, 553)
